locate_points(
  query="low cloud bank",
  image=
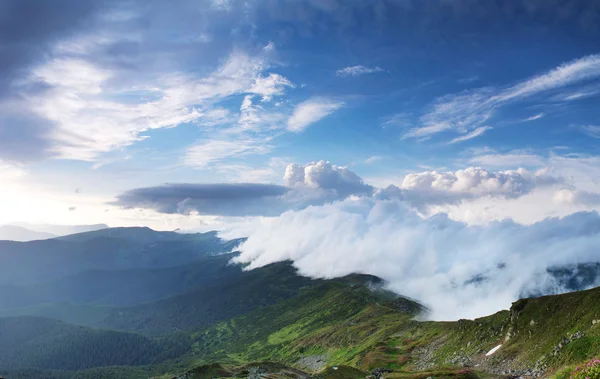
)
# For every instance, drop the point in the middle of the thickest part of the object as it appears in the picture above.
(459, 271)
(321, 182)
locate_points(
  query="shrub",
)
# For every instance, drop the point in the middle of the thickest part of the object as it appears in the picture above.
(590, 370)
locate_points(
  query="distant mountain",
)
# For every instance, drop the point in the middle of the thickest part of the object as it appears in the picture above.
(121, 287)
(18, 233)
(60, 230)
(25, 263)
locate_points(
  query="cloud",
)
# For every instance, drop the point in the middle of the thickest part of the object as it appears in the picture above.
(313, 184)
(431, 259)
(510, 159)
(326, 176)
(357, 70)
(469, 110)
(30, 27)
(269, 86)
(233, 199)
(591, 130)
(577, 197)
(311, 111)
(535, 117)
(10, 172)
(475, 133)
(321, 182)
(422, 190)
(372, 159)
(203, 154)
(86, 107)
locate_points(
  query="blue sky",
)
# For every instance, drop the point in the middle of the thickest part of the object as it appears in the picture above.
(103, 99)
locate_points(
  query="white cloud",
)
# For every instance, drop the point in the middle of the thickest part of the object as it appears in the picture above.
(475, 133)
(203, 154)
(535, 117)
(469, 110)
(591, 130)
(10, 172)
(92, 112)
(434, 260)
(311, 111)
(357, 70)
(511, 159)
(324, 175)
(372, 159)
(426, 189)
(269, 86)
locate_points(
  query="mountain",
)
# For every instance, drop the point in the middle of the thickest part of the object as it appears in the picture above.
(121, 287)
(26, 263)
(60, 230)
(293, 327)
(152, 304)
(221, 300)
(18, 233)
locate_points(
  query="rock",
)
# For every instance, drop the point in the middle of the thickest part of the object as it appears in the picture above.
(379, 371)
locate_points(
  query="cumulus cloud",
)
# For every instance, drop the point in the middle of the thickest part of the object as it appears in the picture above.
(425, 189)
(357, 70)
(311, 111)
(577, 197)
(326, 176)
(459, 271)
(318, 183)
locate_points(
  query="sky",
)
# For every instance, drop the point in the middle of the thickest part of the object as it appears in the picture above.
(248, 116)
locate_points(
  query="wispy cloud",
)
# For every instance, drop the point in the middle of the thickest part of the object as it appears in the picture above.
(372, 159)
(510, 159)
(358, 70)
(402, 119)
(202, 154)
(311, 111)
(91, 112)
(535, 117)
(469, 110)
(591, 130)
(475, 133)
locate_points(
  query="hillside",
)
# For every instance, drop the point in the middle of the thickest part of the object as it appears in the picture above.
(160, 304)
(537, 337)
(309, 326)
(39, 343)
(214, 302)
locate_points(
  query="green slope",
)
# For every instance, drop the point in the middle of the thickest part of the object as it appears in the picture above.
(213, 303)
(305, 326)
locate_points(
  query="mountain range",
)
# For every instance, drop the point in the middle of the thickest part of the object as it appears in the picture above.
(137, 303)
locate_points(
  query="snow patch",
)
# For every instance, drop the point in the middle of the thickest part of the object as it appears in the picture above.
(493, 350)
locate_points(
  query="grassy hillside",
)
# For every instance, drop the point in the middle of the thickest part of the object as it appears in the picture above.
(339, 328)
(212, 303)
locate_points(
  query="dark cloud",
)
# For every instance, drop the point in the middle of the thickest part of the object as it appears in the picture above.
(236, 199)
(29, 27)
